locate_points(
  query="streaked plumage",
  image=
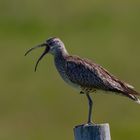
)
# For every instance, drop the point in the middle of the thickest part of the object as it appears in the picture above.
(83, 74)
(92, 76)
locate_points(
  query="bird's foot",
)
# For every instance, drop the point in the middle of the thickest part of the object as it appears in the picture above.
(89, 124)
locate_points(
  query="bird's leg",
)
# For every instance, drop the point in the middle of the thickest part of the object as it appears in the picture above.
(90, 109)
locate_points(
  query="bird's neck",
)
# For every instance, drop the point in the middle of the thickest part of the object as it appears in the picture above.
(61, 54)
(60, 60)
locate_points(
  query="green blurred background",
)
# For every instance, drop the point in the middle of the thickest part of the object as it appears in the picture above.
(40, 106)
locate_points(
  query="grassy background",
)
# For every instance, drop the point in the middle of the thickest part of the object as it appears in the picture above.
(40, 106)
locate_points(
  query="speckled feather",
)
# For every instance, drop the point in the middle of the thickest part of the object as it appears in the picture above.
(90, 75)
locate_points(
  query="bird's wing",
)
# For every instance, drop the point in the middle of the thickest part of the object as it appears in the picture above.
(88, 74)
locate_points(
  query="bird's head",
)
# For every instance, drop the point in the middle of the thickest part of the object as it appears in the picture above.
(55, 45)
(52, 45)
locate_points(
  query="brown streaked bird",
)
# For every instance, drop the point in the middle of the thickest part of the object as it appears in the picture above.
(83, 74)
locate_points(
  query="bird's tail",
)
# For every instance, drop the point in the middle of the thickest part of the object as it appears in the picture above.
(134, 98)
(132, 94)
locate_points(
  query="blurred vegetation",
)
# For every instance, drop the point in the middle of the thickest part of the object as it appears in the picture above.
(40, 106)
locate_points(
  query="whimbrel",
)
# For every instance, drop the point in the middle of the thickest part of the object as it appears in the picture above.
(84, 74)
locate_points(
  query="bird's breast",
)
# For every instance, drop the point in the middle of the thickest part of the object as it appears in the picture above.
(60, 66)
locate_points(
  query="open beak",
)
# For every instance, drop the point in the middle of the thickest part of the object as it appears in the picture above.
(43, 54)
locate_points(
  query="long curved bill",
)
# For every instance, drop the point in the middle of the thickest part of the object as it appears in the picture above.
(43, 54)
(38, 46)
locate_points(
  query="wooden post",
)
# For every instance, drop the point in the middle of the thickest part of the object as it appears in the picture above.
(92, 132)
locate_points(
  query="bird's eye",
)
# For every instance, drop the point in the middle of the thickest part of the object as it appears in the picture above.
(51, 43)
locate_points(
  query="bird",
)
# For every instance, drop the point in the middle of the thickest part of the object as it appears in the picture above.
(84, 74)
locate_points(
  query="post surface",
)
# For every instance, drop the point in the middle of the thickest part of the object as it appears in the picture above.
(92, 132)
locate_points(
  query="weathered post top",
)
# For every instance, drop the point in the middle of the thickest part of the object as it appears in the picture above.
(92, 132)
